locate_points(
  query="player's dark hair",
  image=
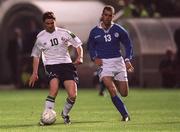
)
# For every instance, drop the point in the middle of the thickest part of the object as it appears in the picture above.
(109, 8)
(48, 15)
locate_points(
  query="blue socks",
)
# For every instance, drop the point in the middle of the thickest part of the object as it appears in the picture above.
(119, 105)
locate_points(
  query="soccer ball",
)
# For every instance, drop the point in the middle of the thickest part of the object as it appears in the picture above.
(48, 117)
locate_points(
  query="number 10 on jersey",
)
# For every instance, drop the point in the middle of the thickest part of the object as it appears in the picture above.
(54, 41)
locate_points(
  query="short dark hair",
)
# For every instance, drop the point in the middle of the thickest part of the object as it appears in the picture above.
(109, 8)
(48, 15)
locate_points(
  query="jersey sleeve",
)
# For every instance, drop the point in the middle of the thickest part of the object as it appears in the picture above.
(73, 39)
(127, 43)
(91, 46)
(36, 51)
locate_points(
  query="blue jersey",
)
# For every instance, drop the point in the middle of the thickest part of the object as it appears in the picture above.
(105, 44)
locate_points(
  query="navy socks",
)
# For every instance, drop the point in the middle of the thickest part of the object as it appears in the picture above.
(119, 105)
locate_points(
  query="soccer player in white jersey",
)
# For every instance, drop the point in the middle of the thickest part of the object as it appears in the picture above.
(104, 49)
(52, 43)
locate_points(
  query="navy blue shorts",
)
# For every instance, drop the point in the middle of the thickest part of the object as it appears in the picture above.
(65, 71)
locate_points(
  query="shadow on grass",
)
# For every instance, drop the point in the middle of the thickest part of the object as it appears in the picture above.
(34, 125)
(157, 123)
(17, 126)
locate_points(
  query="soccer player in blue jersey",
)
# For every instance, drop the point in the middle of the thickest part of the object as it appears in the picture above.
(104, 49)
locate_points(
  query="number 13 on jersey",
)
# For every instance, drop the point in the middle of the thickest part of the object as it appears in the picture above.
(107, 37)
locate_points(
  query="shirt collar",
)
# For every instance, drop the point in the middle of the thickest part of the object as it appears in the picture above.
(100, 25)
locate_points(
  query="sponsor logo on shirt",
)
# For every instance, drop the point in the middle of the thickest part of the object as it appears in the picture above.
(98, 36)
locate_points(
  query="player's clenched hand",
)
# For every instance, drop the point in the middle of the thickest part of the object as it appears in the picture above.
(98, 62)
(33, 79)
(129, 66)
(78, 61)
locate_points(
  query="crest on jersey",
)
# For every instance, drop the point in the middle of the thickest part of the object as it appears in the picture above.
(116, 35)
(64, 39)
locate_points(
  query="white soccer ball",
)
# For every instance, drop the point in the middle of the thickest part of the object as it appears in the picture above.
(48, 117)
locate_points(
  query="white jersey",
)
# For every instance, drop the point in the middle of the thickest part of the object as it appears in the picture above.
(54, 46)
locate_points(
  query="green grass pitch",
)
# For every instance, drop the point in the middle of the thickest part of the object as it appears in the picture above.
(155, 110)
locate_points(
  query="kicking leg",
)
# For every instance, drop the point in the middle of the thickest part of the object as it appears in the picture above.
(115, 99)
(50, 100)
(71, 88)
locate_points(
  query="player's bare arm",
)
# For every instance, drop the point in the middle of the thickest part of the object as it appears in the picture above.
(34, 76)
(79, 59)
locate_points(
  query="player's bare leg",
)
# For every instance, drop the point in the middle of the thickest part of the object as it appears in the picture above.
(71, 88)
(115, 99)
(50, 100)
(108, 82)
(123, 88)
